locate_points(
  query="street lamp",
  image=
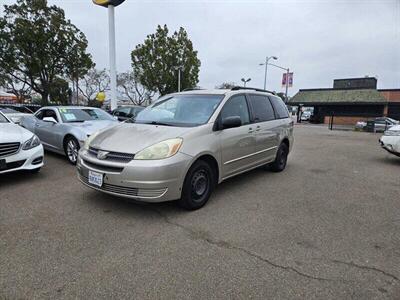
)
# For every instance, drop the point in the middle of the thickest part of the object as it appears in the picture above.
(287, 77)
(179, 69)
(266, 68)
(110, 4)
(245, 81)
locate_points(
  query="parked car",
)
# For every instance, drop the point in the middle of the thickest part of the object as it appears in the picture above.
(181, 147)
(19, 148)
(380, 124)
(306, 115)
(126, 112)
(13, 114)
(390, 141)
(64, 129)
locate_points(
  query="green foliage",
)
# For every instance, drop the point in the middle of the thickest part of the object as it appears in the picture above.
(155, 62)
(60, 92)
(38, 45)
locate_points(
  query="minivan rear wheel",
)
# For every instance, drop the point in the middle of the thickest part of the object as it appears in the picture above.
(281, 158)
(198, 185)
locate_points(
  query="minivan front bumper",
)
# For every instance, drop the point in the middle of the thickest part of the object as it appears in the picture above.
(142, 180)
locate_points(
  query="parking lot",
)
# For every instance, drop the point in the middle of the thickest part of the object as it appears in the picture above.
(327, 227)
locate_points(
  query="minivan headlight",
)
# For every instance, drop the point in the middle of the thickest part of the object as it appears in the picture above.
(160, 150)
(31, 143)
(89, 139)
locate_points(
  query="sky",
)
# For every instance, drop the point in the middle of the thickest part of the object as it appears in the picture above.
(318, 40)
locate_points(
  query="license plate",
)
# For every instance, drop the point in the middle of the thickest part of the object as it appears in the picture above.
(3, 164)
(95, 178)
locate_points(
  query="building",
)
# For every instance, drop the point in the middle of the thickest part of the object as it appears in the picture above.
(350, 100)
(7, 98)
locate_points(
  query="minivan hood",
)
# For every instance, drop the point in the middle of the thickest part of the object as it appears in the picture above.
(131, 138)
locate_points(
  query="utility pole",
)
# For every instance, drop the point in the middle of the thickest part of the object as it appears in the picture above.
(113, 68)
(179, 69)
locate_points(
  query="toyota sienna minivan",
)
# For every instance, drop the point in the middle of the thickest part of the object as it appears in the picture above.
(183, 145)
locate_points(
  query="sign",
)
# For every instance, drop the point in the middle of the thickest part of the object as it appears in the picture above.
(108, 2)
(289, 79)
(101, 96)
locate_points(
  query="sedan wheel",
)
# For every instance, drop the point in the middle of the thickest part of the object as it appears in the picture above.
(71, 150)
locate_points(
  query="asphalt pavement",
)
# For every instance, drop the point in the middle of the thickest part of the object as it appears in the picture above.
(328, 227)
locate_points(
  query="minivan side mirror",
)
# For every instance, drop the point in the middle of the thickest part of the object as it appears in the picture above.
(231, 122)
(50, 119)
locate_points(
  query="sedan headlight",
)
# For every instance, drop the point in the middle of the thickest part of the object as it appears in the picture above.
(31, 143)
(160, 150)
(392, 133)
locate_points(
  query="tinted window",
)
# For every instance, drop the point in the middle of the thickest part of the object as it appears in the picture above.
(236, 106)
(49, 113)
(262, 108)
(279, 107)
(39, 115)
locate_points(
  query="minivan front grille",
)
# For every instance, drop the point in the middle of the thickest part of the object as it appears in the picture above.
(127, 191)
(7, 149)
(113, 156)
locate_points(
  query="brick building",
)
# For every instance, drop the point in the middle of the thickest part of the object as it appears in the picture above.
(350, 100)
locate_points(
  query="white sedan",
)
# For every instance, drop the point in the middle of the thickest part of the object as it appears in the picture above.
(19, 148)
(390, 141)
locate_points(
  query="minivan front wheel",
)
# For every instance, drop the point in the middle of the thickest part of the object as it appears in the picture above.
(198, 185)
(281, 158)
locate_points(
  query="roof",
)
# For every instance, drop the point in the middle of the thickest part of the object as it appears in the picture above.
(337, 96)
(234, 90)
(4, 94)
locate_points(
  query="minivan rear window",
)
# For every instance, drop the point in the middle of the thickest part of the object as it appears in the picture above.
(261, 108)
(281, 111)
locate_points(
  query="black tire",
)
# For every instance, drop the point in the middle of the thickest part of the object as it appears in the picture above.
(71, 148)
(281, 159)
(34, 171)
(198, 186)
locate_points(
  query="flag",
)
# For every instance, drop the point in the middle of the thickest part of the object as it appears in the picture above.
(289, 79)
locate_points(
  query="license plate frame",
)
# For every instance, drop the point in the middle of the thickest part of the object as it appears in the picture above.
(3, 164)
(95, 178)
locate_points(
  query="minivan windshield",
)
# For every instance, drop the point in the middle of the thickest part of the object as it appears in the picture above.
(180, 110)
(3, 119)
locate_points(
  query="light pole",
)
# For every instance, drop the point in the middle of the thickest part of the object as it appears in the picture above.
(266, 68)
(110, 4)
(179, 68)
(287, 77)
(245, 81)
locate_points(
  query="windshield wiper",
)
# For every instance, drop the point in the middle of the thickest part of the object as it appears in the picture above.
(159, 123)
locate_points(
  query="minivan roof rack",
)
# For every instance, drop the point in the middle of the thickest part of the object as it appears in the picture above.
(237, 88)
(192, 89)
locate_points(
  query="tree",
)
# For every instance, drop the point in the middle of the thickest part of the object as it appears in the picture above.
(60, 91)
(131, 89)
(16, 87)
(93, 82)
(155, 62)
(226, 85)
(38, 45)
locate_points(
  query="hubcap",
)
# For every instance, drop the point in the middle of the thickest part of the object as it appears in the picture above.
(72, 151)
(200, 184)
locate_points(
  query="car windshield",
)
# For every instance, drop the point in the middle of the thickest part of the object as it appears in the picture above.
(180, 110)
(72, 115)
(3, 119)
(8, 110)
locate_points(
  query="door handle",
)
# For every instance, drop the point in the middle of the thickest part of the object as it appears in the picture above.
(258, 128)
(251, 130)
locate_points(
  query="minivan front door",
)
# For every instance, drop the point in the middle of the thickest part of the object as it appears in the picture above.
(237, 144)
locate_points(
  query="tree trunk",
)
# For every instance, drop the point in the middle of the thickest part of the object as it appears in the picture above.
(45, 98)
